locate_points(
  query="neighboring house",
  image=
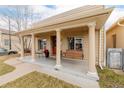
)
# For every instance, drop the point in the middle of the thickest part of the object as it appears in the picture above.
(75, 34)
(115, 35)
(5, 41)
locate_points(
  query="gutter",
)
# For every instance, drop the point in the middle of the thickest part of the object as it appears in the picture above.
(118, 23)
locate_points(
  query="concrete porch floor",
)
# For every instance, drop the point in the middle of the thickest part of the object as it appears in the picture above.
(75, 67)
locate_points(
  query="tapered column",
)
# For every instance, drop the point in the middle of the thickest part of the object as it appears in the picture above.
(58, 49)
(92, 54)
(33, 47)
(22, 46)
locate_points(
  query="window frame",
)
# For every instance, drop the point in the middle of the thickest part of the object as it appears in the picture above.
(75, 38)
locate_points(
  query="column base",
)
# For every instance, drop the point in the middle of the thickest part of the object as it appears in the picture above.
(58, 67)
(93, 75)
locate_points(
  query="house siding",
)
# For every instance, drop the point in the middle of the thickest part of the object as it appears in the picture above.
(119, 31)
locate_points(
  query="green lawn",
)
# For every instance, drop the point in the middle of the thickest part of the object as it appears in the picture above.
(38, 80)
(4, 68)
(109, 79)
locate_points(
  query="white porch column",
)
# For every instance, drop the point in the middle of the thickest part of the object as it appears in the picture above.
(33, 46)
(58, 49)
(92, 55)
(22, 46)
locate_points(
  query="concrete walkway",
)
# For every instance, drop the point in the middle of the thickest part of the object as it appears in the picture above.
(23, 68)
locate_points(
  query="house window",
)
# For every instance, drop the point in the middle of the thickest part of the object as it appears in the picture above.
(75, 43)
(41, 44)
(6, 42)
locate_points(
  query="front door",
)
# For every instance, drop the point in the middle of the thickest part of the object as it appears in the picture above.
(53, 43)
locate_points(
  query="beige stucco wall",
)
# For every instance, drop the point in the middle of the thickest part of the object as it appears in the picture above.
(119, 31)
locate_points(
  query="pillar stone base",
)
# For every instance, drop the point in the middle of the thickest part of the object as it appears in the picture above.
(58, 67)
(93, 75)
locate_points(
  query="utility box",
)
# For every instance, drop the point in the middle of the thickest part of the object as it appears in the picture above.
(115, 58)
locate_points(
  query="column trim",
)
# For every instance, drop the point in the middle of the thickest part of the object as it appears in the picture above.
(91, 24)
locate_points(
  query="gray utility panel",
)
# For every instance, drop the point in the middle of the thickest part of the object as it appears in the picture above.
(115, 58)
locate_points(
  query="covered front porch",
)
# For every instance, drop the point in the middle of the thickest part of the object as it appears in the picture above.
(67, 31)
(78, 59)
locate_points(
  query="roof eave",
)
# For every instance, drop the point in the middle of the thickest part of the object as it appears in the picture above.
(107, 10)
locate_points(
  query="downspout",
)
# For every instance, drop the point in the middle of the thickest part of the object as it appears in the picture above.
(104, 46)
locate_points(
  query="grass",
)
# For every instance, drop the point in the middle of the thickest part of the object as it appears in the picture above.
(37, 80)
(5, 68)
(109, 79)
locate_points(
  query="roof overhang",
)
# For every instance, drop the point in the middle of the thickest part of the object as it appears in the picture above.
(119, 22)
(85, 13)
